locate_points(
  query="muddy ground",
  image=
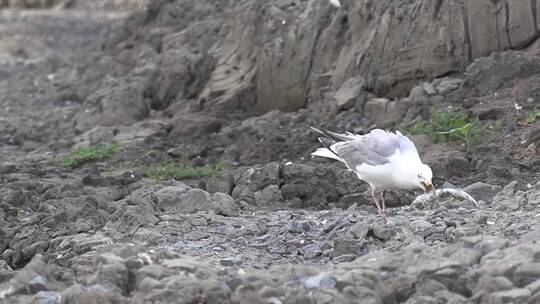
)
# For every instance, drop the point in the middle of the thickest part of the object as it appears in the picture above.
(239, 82)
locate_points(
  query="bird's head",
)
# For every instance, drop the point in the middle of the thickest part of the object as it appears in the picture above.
(423, 177)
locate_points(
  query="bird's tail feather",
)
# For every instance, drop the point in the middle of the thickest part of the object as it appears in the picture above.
(324, 152)
(331, 135)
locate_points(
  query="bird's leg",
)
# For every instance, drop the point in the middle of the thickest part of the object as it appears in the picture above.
(382, 200)
(379, 210)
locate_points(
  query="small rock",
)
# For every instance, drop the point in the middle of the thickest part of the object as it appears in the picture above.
(482, 191)
(508, 198)
(299, 226)
(320, 281)
(430, 90)
(270, 195)
(347, 245)
(348, 93)
(4, 267)
(466, 256)
(221, 182)
(225, 204)
(489, 284)
(311, 251)
(186, 263)
(535, 299)
(47, 297)
(345, 258)
(448, 85)
(194, 125)
(112, 273)
(355, 198)
(359, 230)
(7, 167)
(381, 110)
(534, 287)
(153, 271)
(519, 295)
(383, 231)
(261, 177)
(229, 262)
(38, 283)
(526, 273)
(422, 227)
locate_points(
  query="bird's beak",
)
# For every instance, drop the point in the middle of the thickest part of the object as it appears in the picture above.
(427, 186)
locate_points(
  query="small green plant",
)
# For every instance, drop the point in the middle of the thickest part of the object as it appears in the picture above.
(532, 116)
(448, 126)
(79, 156)
(172, 170)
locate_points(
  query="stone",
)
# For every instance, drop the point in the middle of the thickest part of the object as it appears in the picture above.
(381, 111)
(271, 195)
(519, 295)
(354, 198)
(467, 256)
(185, 263)
(508, 198)
(113, 275)
(260, 177)
(446, 85)
(153, 271)
(422, 227)
(229, 262)
(4, 267)
(534, 299)
(194, 125)
(220, 182)
(225, 204)
(526, 274)
(428, 88)
(243, 193)
(48, 297)
(488, 284)
(533, 195)
(345, 258)
(505, 65)
(120, 100)
(534, 286)
(359, 230)
(383, 231)
(348, 93)
(348, 245)
(321, 280)
(95, 294)
(482, 191)
(186, 200)
(311, 251)
(7, 167)
(169, 196)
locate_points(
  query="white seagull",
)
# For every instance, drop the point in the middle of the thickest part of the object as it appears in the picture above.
(335, 3)
(385, 160)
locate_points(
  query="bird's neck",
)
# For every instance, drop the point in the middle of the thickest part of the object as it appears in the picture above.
(405, 175)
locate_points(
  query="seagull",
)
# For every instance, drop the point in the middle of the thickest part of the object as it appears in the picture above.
(335, 3)
(385, 160)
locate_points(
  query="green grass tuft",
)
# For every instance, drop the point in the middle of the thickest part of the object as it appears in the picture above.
(448, 127)
(172, 170)
(532, 116)
(79, 156)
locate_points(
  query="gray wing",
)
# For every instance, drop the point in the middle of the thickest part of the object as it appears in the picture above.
(374, 148)
(406, 145)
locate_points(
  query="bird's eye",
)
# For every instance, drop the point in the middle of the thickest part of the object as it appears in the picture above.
(419, 176)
